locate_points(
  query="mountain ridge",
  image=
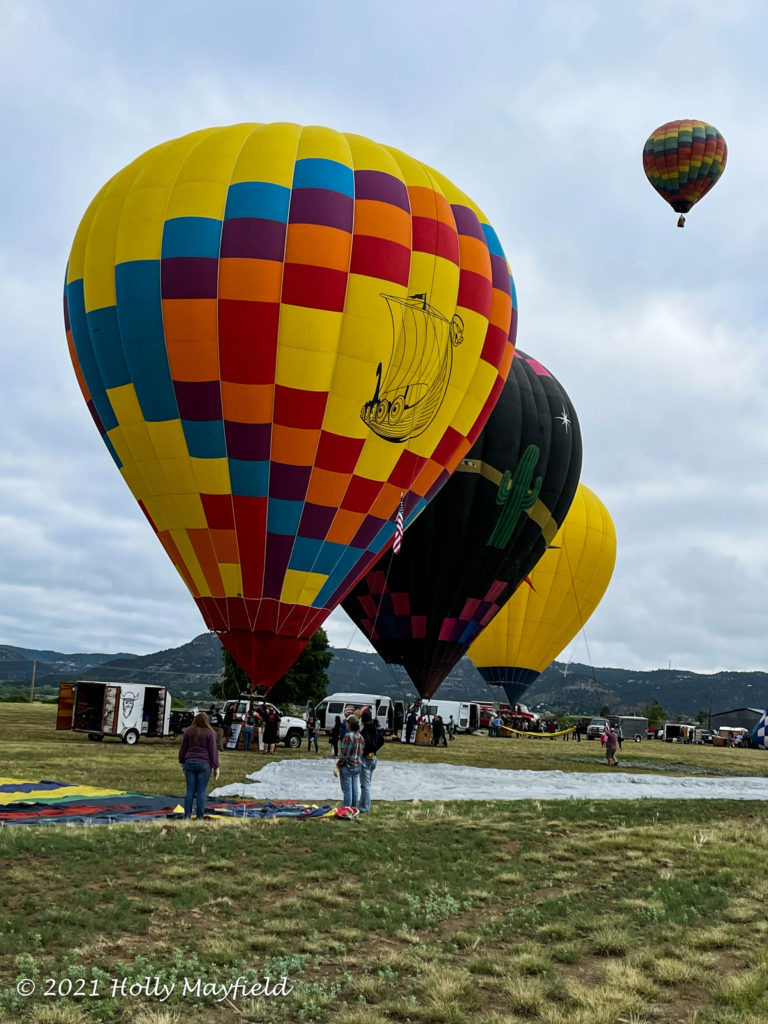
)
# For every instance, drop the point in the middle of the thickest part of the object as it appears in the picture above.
(189, 670)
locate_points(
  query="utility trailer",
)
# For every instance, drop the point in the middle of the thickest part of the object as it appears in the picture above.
(128, 711)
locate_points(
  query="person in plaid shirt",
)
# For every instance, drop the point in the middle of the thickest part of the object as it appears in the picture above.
(350, 762)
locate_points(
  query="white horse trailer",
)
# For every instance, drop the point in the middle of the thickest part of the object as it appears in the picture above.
(127, 710)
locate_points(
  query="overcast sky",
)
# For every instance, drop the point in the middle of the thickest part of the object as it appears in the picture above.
(539, 110)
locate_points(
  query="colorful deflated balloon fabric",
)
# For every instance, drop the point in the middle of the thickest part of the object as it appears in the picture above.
(683, 160)
(479, 537)
(278, 331)
(566, 586)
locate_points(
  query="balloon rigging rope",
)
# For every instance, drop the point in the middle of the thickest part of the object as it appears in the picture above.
(578, 609)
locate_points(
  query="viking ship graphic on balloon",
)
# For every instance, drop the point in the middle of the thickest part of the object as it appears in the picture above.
(408, 397)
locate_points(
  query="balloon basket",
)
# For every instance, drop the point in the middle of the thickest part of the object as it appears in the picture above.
(423, 735)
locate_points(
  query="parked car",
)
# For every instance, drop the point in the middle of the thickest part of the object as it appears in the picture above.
(707, 735)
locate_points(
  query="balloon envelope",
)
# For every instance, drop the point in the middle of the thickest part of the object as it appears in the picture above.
(479, 537)
(566, 586)
(278, 331)
(683, 160)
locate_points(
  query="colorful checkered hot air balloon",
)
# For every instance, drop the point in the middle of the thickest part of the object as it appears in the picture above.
(279, 331)
(683, 160)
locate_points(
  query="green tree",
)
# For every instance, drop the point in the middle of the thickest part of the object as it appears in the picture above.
(605, 710)
(306, 681)
(233, 682)
(655, 714)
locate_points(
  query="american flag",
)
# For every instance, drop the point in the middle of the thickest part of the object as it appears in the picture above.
(398, 527)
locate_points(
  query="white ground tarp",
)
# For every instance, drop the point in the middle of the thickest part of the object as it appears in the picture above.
(313, 780)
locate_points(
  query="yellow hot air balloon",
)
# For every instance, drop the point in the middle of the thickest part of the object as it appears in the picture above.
(544, 615)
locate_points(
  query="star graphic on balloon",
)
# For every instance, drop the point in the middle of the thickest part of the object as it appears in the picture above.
(565, 419)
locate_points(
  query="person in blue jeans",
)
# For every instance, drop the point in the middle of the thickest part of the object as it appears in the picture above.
(198, 756)
(350, 762)
(370, 734)
(249, 724)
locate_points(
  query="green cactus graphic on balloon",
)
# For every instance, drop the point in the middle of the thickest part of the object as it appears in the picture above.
(517, 495)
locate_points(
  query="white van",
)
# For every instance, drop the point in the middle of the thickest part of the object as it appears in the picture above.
(389, 714)
(466, 714)
(128, 710)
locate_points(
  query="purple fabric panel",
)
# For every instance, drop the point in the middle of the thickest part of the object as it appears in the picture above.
(189, 277)
(321, 206)
(198, 400)
(499, 274)
(253, 238)
(289, 482)
(278, 552)
(366, 532)
(467, 223)
(248, 441)
(381, 186)
(316, 521)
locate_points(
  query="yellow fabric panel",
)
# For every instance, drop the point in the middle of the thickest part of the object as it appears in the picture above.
(318, 143)
(76, 260)
(98, 269)
(176, 511)
(569, 581)
(455, 196)
(157, 507)
(371, 156)
(202, 181)
(376, 461)
(301, 587)
(135, 481)
(232, 578)
(308, 339)
(170, 476)
(125, 404)
(44, 795)
(140, 232)
(211, 476)
(168, 438)
(268, 154)
(193, 567)
(132, 443)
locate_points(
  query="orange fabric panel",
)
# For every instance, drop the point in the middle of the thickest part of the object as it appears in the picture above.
(430, 472)
(294, 446)
(257, 280)
(317, 245)
(473, 255)
(247, 403)
(426, 203)
(327, 488)
(386, 500)
(345, 525)
(206, 556)
(382, 220)
(225, 546)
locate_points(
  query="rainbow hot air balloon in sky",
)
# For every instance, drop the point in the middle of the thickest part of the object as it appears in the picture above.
(279, 331)
(473, 544)
(683, 160)
(546, 613)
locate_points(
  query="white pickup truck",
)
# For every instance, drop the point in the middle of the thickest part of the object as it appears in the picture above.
(292, 730)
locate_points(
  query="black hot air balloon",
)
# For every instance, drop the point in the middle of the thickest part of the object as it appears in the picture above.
(463, 557)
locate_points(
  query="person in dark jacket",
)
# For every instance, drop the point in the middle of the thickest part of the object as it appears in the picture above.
(370, 734)
(198, 756)
(336, 736)
(410, 725)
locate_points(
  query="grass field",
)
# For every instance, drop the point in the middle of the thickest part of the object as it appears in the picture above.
(590, 912)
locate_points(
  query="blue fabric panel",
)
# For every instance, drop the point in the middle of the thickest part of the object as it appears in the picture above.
(283, 516)
(327, 174)
(89, 367)
(191, 236)
(205, 438)
(139, 309)
(249, 479)
(258, 199)
(108, 346)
